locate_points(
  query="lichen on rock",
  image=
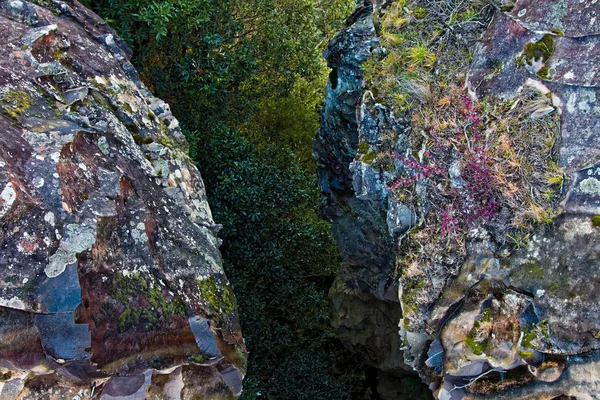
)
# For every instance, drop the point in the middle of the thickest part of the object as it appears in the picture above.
(104, 225)
(482, 122)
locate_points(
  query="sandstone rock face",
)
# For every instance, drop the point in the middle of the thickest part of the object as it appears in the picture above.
(505, 309)
(111, 282)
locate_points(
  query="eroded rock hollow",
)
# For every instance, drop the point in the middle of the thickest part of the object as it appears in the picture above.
(458, 160)
(111, 282)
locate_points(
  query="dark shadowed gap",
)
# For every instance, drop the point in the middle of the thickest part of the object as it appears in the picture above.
(333, 78)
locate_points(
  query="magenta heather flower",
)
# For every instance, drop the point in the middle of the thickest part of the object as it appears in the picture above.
(476, 200)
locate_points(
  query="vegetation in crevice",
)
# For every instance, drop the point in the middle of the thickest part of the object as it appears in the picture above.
(281, 258)
(15, 103)
(468, 163)
(478, 338)
(538, 53)
(534, 337)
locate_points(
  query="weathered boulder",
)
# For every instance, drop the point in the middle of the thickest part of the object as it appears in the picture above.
(111, 282)
(458, 157)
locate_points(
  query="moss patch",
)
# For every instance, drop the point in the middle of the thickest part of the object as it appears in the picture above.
(534, 270)
(596, 221)
(538, 51)
(198, 358)
(542, 49)
(411, 288)
(369, 157)
(533, 337)
(219, 300)
(146, 307)
(478, 339)
(363, 148)
(15, 103)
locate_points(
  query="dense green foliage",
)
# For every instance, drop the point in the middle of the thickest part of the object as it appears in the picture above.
(279, 255)
(254, 65)
(246, 80)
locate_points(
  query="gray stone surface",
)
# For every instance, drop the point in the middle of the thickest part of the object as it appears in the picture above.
(364, 297)
(573, 18)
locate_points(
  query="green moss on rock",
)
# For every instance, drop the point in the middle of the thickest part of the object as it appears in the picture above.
(536, 52)
(411, 288)
(219, 300)
(532, 338)
(15, 103)
(542, 49)
(228, 299)
(475, 341)
(363, 148)
(145, 305)
(198, 358)
(369, 157)
(534, 270)
(543, 72)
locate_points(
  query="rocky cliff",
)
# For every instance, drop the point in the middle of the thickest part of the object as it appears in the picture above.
(111, 282)
(364, 295)
(458, 163)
